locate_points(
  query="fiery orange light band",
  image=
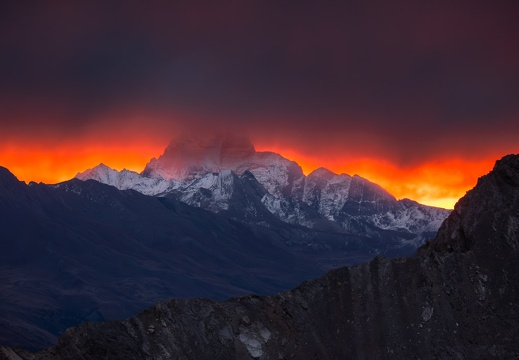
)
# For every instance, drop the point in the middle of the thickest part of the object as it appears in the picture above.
(437, 183)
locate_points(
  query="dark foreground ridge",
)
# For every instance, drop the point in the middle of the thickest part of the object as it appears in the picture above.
(457, 299)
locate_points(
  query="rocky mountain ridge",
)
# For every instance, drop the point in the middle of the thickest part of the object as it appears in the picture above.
(126, 179)
(200, 173)
(457, 299)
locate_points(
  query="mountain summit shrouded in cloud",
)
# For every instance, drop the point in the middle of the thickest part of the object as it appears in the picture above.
(408, 93)
(187, 155)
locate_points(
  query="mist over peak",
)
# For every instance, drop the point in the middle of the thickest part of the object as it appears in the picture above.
(211, 145)
(188, 156)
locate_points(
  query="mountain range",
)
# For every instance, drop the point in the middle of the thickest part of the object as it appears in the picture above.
(225, 174)
(458, 298)
(210, 218)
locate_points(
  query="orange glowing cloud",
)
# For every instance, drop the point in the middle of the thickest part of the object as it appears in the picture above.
(63, 162)
(51, 154)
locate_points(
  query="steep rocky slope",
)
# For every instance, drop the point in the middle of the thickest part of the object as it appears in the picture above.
(457, 299)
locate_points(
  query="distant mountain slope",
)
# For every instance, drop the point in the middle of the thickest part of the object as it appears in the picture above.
(82, 250)
(127, 179)
(200, 173)
(458, 299)
(86, 251)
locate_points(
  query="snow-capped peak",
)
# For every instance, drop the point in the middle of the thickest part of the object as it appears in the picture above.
(127, 179)
(101, 173)
(188, 158)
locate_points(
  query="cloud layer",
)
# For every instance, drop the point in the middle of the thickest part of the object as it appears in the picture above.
(404, 83)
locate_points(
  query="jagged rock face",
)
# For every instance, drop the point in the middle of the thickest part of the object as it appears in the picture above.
(365, 198)
(458, 299)
(226, 193)
(326, 192)
(471, 221)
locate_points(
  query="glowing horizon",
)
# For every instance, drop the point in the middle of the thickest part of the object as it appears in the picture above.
(437, 183)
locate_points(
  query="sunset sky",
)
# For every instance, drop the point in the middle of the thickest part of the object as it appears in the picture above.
(419, 96)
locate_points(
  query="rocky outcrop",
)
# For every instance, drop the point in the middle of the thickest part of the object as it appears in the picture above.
(457, 299)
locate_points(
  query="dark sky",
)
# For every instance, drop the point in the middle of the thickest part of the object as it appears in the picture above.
(407, 81)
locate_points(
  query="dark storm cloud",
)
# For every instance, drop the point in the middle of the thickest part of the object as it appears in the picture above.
(403, 73)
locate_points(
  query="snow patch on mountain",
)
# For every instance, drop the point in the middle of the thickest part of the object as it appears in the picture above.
(127, 179)
(410, 216)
